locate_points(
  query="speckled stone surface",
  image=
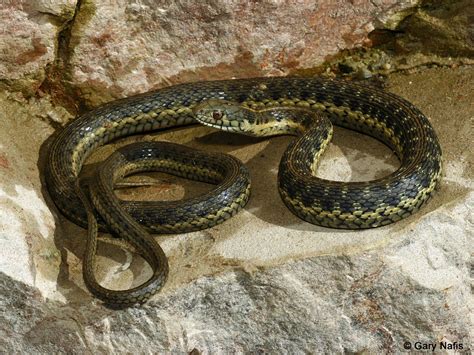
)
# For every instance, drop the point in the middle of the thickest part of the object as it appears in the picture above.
(98, 50)
(262, 281)
(28, 40)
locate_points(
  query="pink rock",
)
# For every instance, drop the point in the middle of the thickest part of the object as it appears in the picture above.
(122, 48)
(28, 37)
(118, 48)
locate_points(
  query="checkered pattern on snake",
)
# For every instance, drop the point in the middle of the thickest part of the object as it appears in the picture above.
(261, 107)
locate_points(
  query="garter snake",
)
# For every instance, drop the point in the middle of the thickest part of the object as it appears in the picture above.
(259, 107)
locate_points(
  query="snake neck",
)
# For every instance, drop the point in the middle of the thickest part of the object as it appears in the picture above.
(282, 121)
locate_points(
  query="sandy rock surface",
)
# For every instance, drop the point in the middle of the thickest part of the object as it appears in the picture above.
(263, 280)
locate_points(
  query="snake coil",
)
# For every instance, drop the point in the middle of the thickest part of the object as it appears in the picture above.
(260, 107)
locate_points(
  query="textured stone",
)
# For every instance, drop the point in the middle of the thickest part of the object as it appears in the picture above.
(443, 28)
(28, 40)
(413, 290)
(436, 32)
(262, 281)
(27, 228)
(87, 52)
(126, 47)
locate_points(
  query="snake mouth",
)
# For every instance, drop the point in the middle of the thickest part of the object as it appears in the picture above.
(220, 114)
(224, 125)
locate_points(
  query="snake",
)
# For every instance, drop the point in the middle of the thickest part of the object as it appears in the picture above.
(305, 107)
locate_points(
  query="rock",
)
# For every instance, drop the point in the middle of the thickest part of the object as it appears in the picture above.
(26, 234)
(262, 281)
(87, 52)
(437, 33)
(416, 289)
(28, 40)
(443, 28)
(134, 47)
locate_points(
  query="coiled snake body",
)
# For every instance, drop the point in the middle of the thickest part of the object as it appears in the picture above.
(260, 107)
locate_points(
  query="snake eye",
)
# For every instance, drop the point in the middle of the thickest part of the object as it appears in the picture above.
(217, 115)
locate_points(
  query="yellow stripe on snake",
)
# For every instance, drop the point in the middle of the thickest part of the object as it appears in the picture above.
(304, 107)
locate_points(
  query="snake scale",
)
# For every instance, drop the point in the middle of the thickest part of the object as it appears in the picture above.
(305, 107)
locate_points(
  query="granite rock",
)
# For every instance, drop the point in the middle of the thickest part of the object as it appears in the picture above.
(262, 281)
(28, 40)
(98, 50)
(413, 290)
(136, 46)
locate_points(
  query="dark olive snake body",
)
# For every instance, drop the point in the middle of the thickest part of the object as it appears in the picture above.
(260, 106)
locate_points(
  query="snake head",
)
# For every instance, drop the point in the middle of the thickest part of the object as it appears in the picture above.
(225, 115)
